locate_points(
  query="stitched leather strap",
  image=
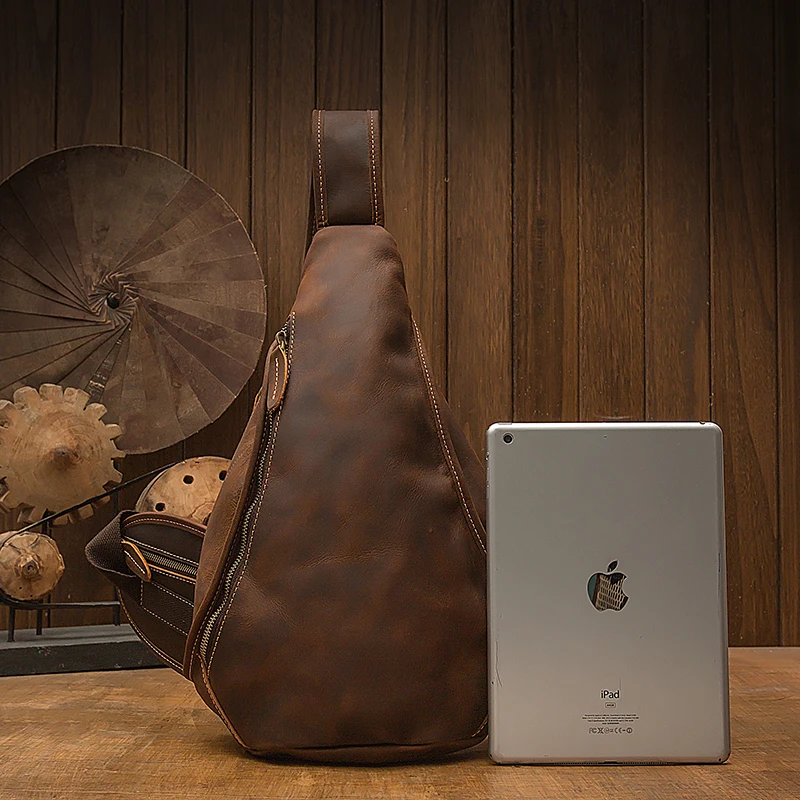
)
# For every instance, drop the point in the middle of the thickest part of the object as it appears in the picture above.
(347, 185)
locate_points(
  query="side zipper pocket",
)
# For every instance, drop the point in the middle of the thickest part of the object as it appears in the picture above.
(276, 378)
(142, 560)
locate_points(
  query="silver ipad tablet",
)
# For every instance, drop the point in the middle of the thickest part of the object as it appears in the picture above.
(607, 623)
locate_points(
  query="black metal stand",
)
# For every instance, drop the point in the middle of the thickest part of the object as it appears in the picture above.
(46, 606)
(40, 606)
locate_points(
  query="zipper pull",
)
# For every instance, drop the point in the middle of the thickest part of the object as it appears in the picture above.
(277, 371)
(136, 561)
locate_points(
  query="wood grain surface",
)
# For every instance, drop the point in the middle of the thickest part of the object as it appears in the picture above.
(88, 112)
(153, 117)
(348, 54)
(30, 565)
(55, 452)
(415, 160)
(27, 82)
(597, 202)
(145, 733)
(787, 170)
(28, 34)
(546, 310)
(283, 99)
(744, 308)
(187, 490)
(479, 215)
(218, 148)
(153, 76)
(611, 383)
(89, 72)
(677, 268)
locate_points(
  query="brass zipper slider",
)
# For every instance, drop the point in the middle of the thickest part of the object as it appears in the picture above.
(277, 371)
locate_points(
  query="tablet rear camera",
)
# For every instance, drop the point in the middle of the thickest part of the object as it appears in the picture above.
(508, 438)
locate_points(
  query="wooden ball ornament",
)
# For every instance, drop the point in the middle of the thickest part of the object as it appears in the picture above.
(30, 565)
(187, 490)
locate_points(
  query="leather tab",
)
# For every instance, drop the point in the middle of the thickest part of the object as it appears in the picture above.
(136, 561)
(347, 185)
(277, 372)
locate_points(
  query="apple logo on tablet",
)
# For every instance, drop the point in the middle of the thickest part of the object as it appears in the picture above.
(605, 589)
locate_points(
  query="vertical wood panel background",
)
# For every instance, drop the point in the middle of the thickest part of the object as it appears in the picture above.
(479, 214)
(676, 224)
(88, 109)
(414, 115)
(28, 50)
(787, 136)
(218, 130)
(545, 232)
(611, 211)
(153, 116)
(743, 315)
(598, 204)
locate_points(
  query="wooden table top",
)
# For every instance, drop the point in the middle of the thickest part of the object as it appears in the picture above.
(146, 734)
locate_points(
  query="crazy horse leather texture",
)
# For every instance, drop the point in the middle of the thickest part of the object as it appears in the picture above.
(347, 622)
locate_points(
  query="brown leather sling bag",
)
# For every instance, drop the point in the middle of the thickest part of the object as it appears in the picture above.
(340, 606)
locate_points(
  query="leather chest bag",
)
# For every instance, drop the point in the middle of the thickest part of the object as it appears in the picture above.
(340, 607)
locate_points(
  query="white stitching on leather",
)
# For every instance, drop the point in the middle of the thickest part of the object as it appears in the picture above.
(153, 613)
(213, 697)
(173, 575)
(159, 550)
(442, 438)
(275, 388)
(159, 652)
(208, 689)
(260, 501)
(319, 167)
(482, 726)
(370, 181)
(226, 721)
(164, 589)
(374, 182)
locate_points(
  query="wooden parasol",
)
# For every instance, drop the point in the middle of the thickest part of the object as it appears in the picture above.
(123, 275)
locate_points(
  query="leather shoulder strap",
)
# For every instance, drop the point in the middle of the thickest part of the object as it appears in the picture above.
(347, 185)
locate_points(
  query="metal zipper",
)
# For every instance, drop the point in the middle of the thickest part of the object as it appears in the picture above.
(184, 568)
(255, 491)
(176, 564)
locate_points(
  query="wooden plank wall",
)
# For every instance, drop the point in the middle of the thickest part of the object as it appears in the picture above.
(597, 200)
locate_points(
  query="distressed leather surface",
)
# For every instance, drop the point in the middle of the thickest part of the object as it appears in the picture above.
(354, 628)
(223, 522)
(346, 182)
(358, 625)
